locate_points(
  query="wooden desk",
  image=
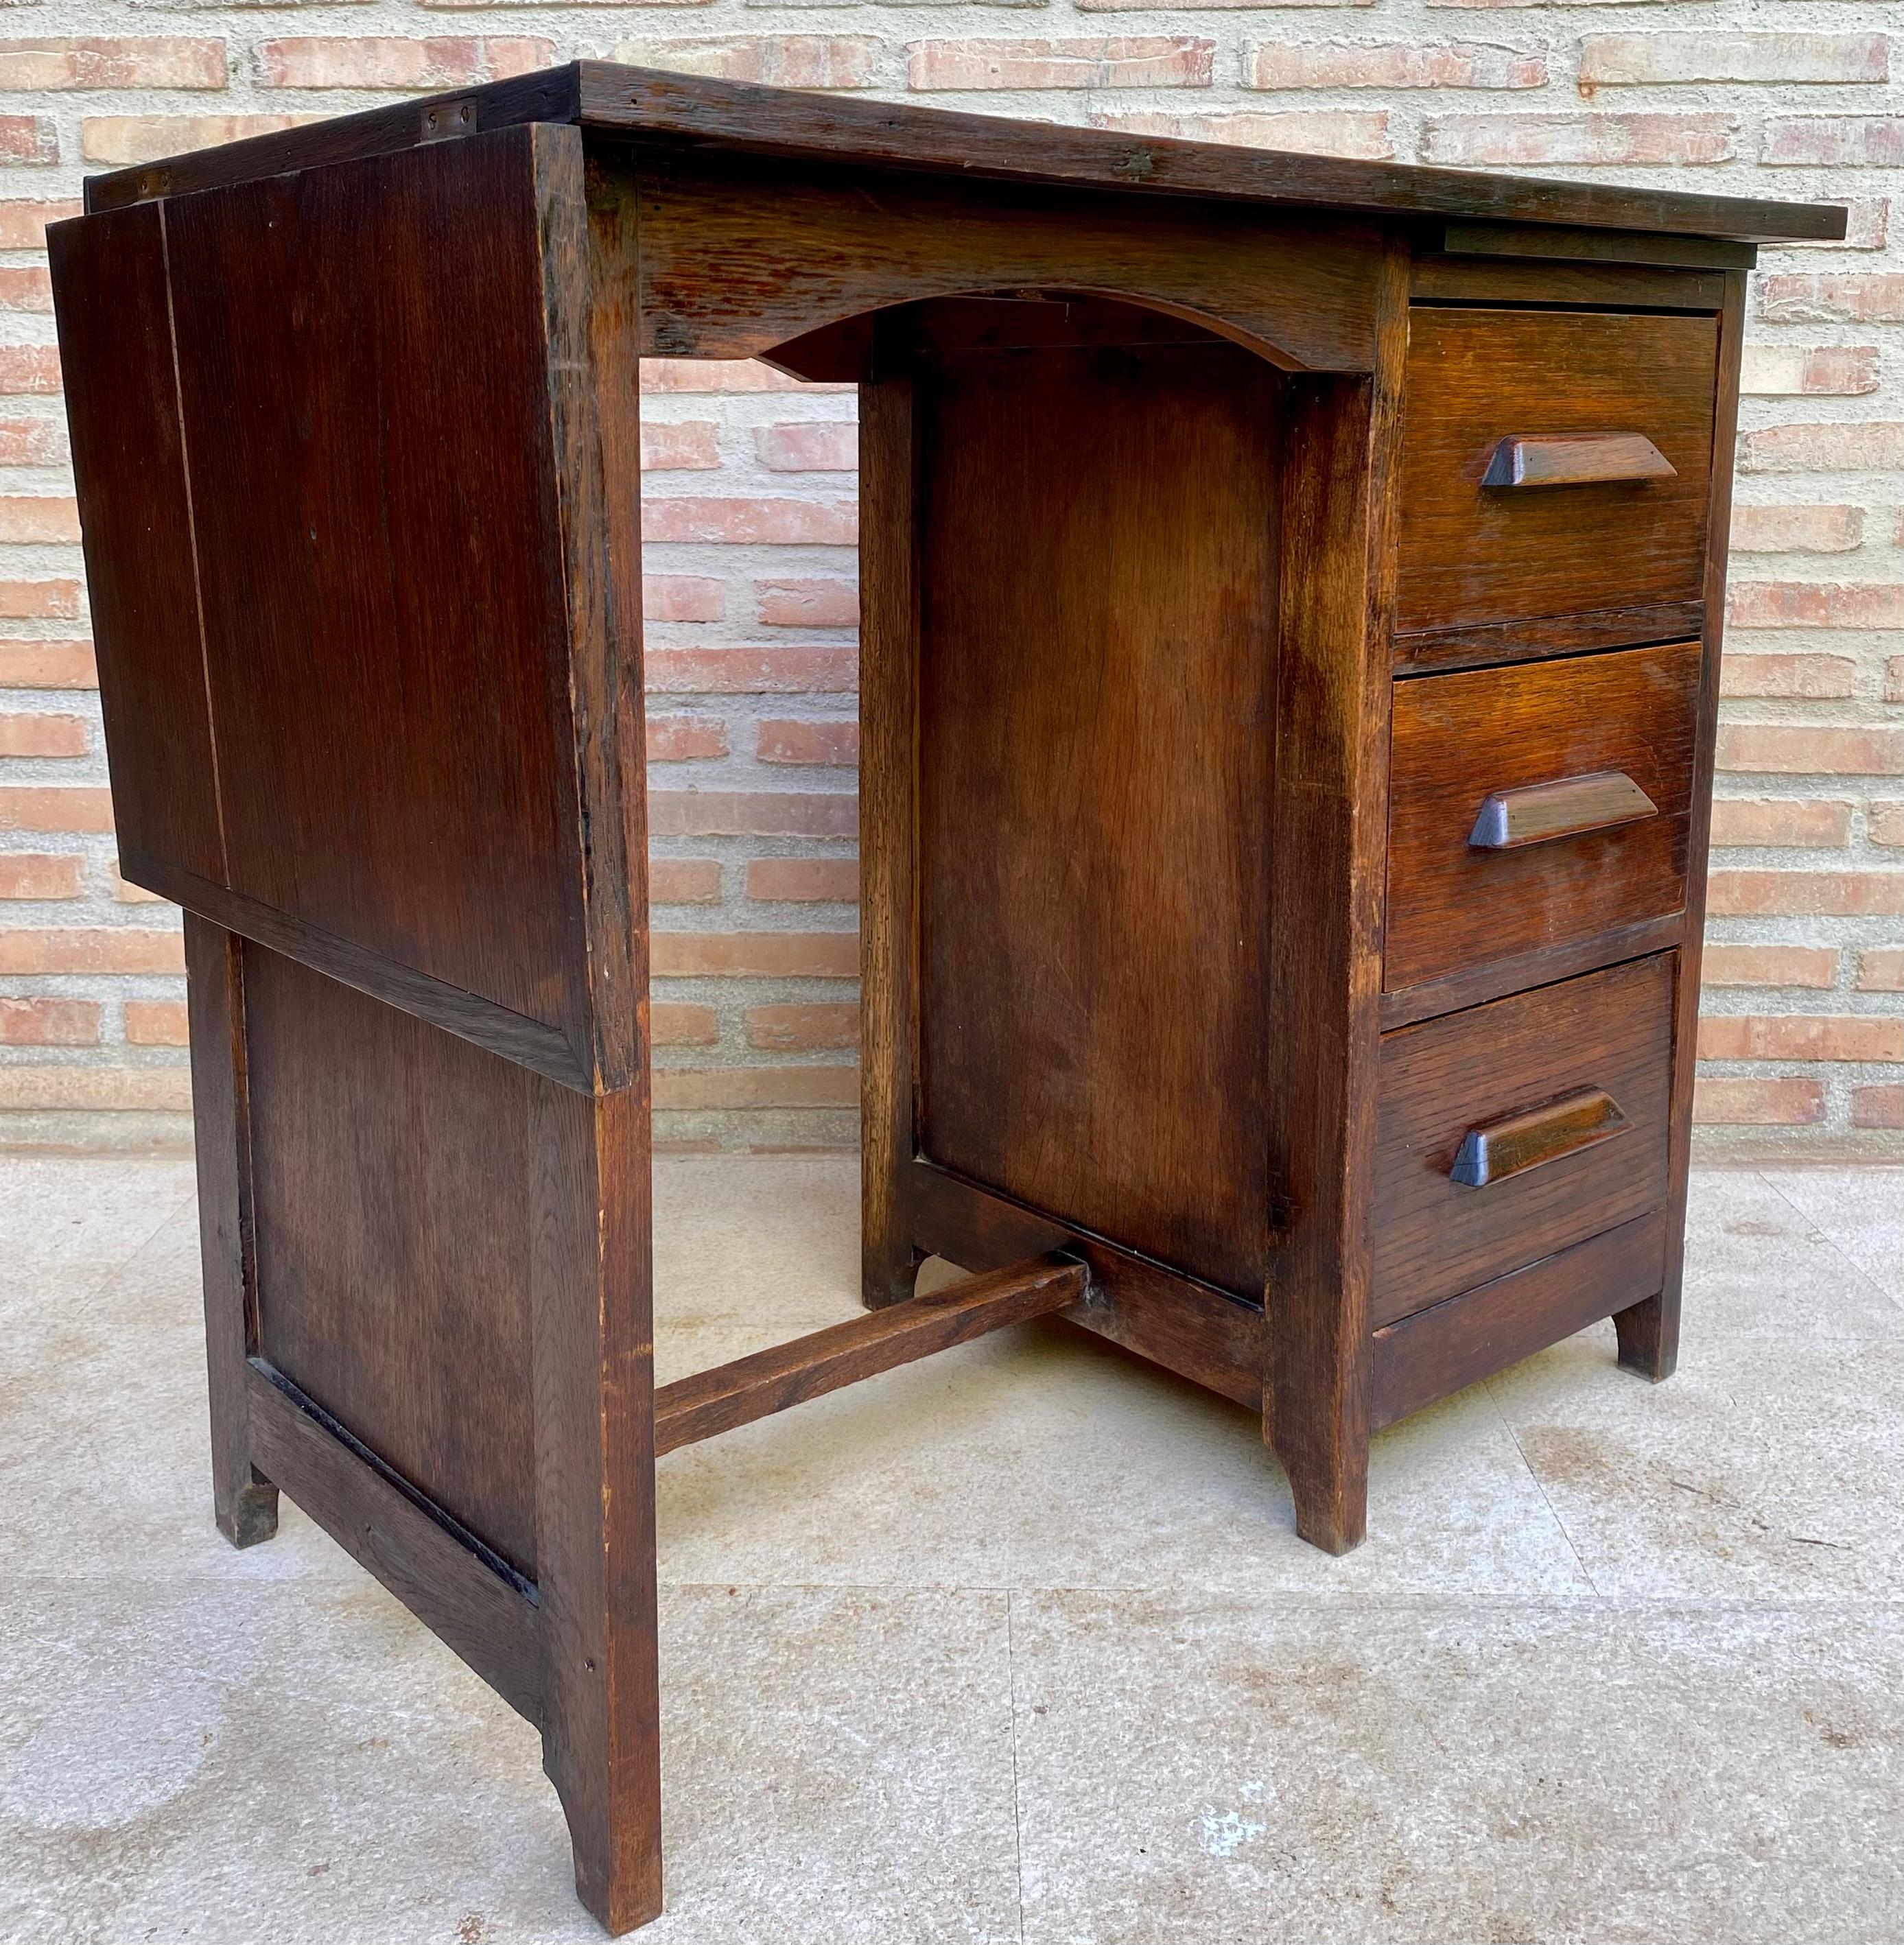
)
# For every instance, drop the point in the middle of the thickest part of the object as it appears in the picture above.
(1291, 630)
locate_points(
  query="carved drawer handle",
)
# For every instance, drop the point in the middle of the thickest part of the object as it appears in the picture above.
(1576, 459)
(1521, 1142)
(1537, 813)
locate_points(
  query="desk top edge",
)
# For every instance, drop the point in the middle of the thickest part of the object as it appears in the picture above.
(650, 106)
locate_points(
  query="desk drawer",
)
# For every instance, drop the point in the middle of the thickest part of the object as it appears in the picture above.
(1552, 1104)
(1537, 805)
(1581, 514)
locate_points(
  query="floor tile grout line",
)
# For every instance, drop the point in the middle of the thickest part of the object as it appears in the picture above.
(1830, 1243)
(1540, 1487)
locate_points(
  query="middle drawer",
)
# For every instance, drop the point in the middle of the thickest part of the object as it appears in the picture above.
(1536, 805)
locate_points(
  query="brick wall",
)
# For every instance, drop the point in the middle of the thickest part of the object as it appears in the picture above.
(751, 513)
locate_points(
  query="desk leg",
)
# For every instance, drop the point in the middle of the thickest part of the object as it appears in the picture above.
(245, 1502)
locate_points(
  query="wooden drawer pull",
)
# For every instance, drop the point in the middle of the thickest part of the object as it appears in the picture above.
(1537, 813)
(1576, 459)
(1524, 1141)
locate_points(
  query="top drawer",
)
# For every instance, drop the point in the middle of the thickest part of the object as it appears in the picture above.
(1471, 553)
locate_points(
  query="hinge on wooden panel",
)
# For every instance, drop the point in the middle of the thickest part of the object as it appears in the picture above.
(442, 119)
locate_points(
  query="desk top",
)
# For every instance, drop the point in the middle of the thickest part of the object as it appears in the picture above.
(648, 109)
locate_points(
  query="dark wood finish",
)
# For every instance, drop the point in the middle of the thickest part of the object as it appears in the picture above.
(1648, 1333)
(735, 262)
(1553, 243)
(667, 109)
(1460, 740)
(1436, 651)
(1510, 1146)
(1576, 459)
(1471, 554)
(1469, 281)
(1201, 1333)
(1434, 1237)
(714, 1402)
(245, 1501)
(1456, 1342)
(488, 1617)
(1540, 813)
(1339, 513)
(135, 510)
(1055, 794)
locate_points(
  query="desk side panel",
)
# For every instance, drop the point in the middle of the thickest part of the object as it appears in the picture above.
(129, 466)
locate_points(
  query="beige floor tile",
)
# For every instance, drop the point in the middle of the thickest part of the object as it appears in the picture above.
(1860, 1211)
(1209, 1769)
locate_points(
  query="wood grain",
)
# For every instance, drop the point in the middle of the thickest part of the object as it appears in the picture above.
(1490, 1155)
(1555, 243)
(1509, 820)
(1472, 555)
(1460, 739)
(1092, 842)
(1525, 461)
(1433, 1238)
(714, 1402)
(1491, 644)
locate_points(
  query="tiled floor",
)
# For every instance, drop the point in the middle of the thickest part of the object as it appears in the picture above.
(1013, 1645)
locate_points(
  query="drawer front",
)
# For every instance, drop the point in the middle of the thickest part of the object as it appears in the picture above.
(1516, 1093)
(1571, 416)
(1537, 805)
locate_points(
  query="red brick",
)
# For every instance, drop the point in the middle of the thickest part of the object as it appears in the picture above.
(777, 671)
(1894, 678)
(47, 665)
(39, 735)
(126, 893)
(1796, 372)
(167, 1090)
(751, 955)
(1835, 297)
(31, 442)
(1868, 448)
(682, 597)
(1808, 966)
(680, 446)
(1797, 529)
(27, 518)
(768, 522)
(1836, 141)
(753, 814)
(778, 60)
(826, 445)
(1203, 6)
(39, 600)
(1800, 820)
(26, 138)
(1881, 970)
(121, 948)
(679, 1088)
(55, 807)
(27, 370)
(23, 224)
(1801, 750)
(1134, 60)
(1643, 59)
(1360, 133)
(1579, 141)
(1884, 823)
(792, 1029)
(669, 376)
(679, 739)
(803, 881)
(684, 881)
(161, 61)
(29, 874)
(809, 604)
(833, 743)
(1806, 604)
(379, 62)
(45, 1022)
(26, 286)
(1879, 1107)
(124, 139)
(1793, 1103)
(155, 1022)
(1805, 894)
(1389, 64)
(1801, 1037)
(675, 1023)
(1794, 678)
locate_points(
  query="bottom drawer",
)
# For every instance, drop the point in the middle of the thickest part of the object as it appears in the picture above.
(1516, 1129)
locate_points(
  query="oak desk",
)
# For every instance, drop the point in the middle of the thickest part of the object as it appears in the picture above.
(1291, 628)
